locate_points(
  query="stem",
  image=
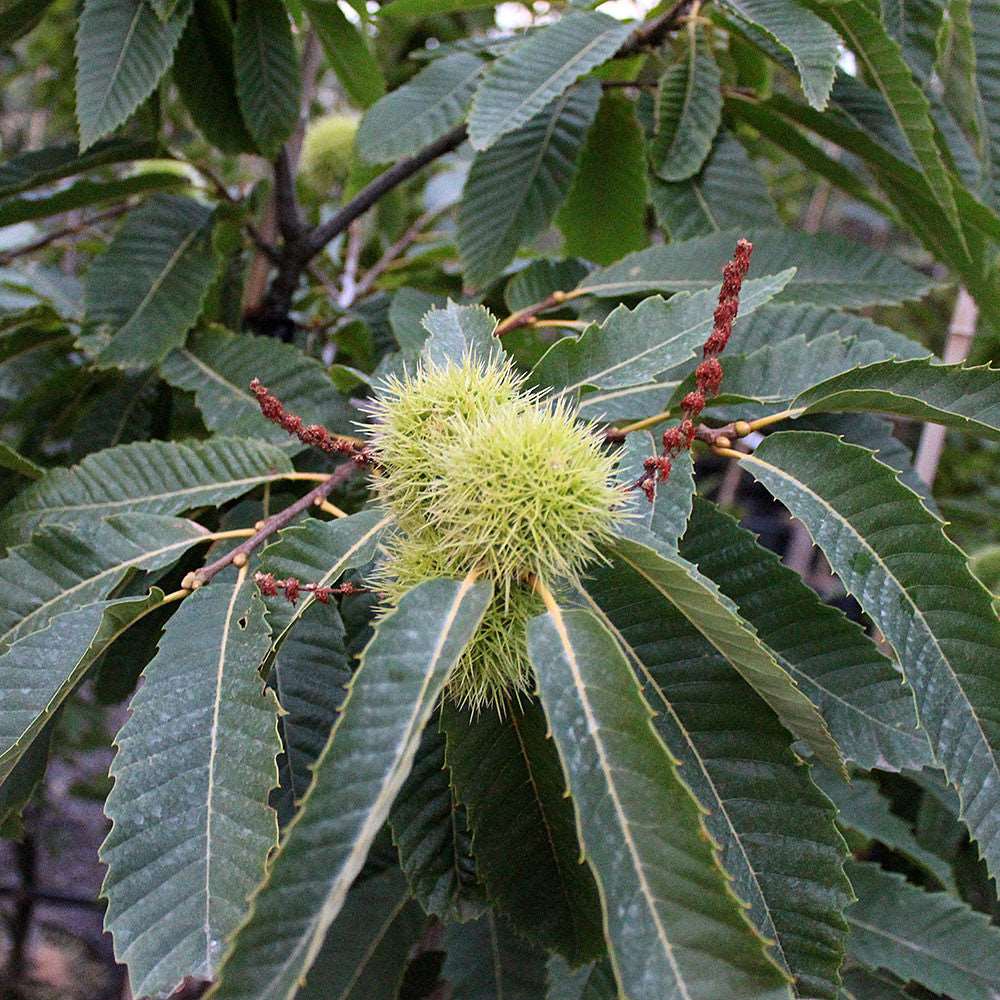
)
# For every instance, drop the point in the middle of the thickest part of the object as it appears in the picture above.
(546, 595)
(331, 508)
(569, 324)
(774, 418)
(641, 425)
(524, 317)
(306, 477)
(728, 452)
(59, 234)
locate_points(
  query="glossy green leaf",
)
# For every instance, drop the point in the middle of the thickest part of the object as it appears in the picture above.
(929, 938)
(967, 399)
(217, 366)
(525, 843)
(672, 922)
(148, 287)
(514, 188)
(39, 672)
(374, 742)
(776, 831)
(267, 72)
(811, 42)
(526, 79)
(689, 112)
(347, 51)
(155, 477)
(454, 331)
(829, 270)
(915, 585)
(122, 50)
(65, 568)
(430, 830)
(419, 111)
(716, 618)
(633, 345)
(191, 828)
(615, 147)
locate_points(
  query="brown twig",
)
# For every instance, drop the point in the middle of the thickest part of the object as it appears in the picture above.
(60, 234)
(526, 316)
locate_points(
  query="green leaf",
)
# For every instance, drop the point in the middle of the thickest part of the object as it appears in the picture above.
(860, 693)
(85, 193)
(267, 72)
(964, 398)
(430, 830)
(149, 285)
(374, 741)
(589, 982)
(347, 51)
(157, 477)
(122, 50)
(861, 807)
(514, 188)
(633, 345)
(893, 555)
(615, 147)
(728, 192)
(16, 462)
(527, 78)
(455, 331)
(365, 953)
(65, 568)
(486, 960)
(672, 922)
(829, 270)
(18, 17)
(812, 44)
(689, 112)
(984, 30)
(507, 774)
(206, 77)
(859, 23)
(427, 8)
(862, 984)
(39, 671)
(191, 828)
(420, 111)
(20, 785)
(775, 830)
(715, 616)
(217, 366)
(540, 278)
(929, 938)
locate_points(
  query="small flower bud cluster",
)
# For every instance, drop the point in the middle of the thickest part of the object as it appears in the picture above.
(310, 434)
(708, 374)
(292, 589)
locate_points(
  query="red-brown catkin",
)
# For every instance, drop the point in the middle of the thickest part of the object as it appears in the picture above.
(708, 374)
(292, 589)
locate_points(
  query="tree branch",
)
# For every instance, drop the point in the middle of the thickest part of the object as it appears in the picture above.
(60, 234)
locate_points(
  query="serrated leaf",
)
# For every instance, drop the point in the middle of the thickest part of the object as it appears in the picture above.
(122, 50)
(217, 366)
(365, 953)
(929, 938)
(861, 807)
(727, 192)
(809, 40)
(984, 31)
(486, 960)
(869, 710)
(155, 477)
(829, 269)
(893, 555)
(615, 147)
(421, 110)
(65, 568)
(540, 278)
(689, 112)
(525, 80)
(267, 72)
(514, 188)
(347, 51)
(20, 785)
(456, 331)
(774, 828)
(671, 920)
(149, 285)
(430, 830)
(374, 741)
(633, 345)
(191, 828)
(38, 672)
(14, 461)
(715, 616)
(525, 843)
(859, 23)
(206, 77)
(967, 399)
